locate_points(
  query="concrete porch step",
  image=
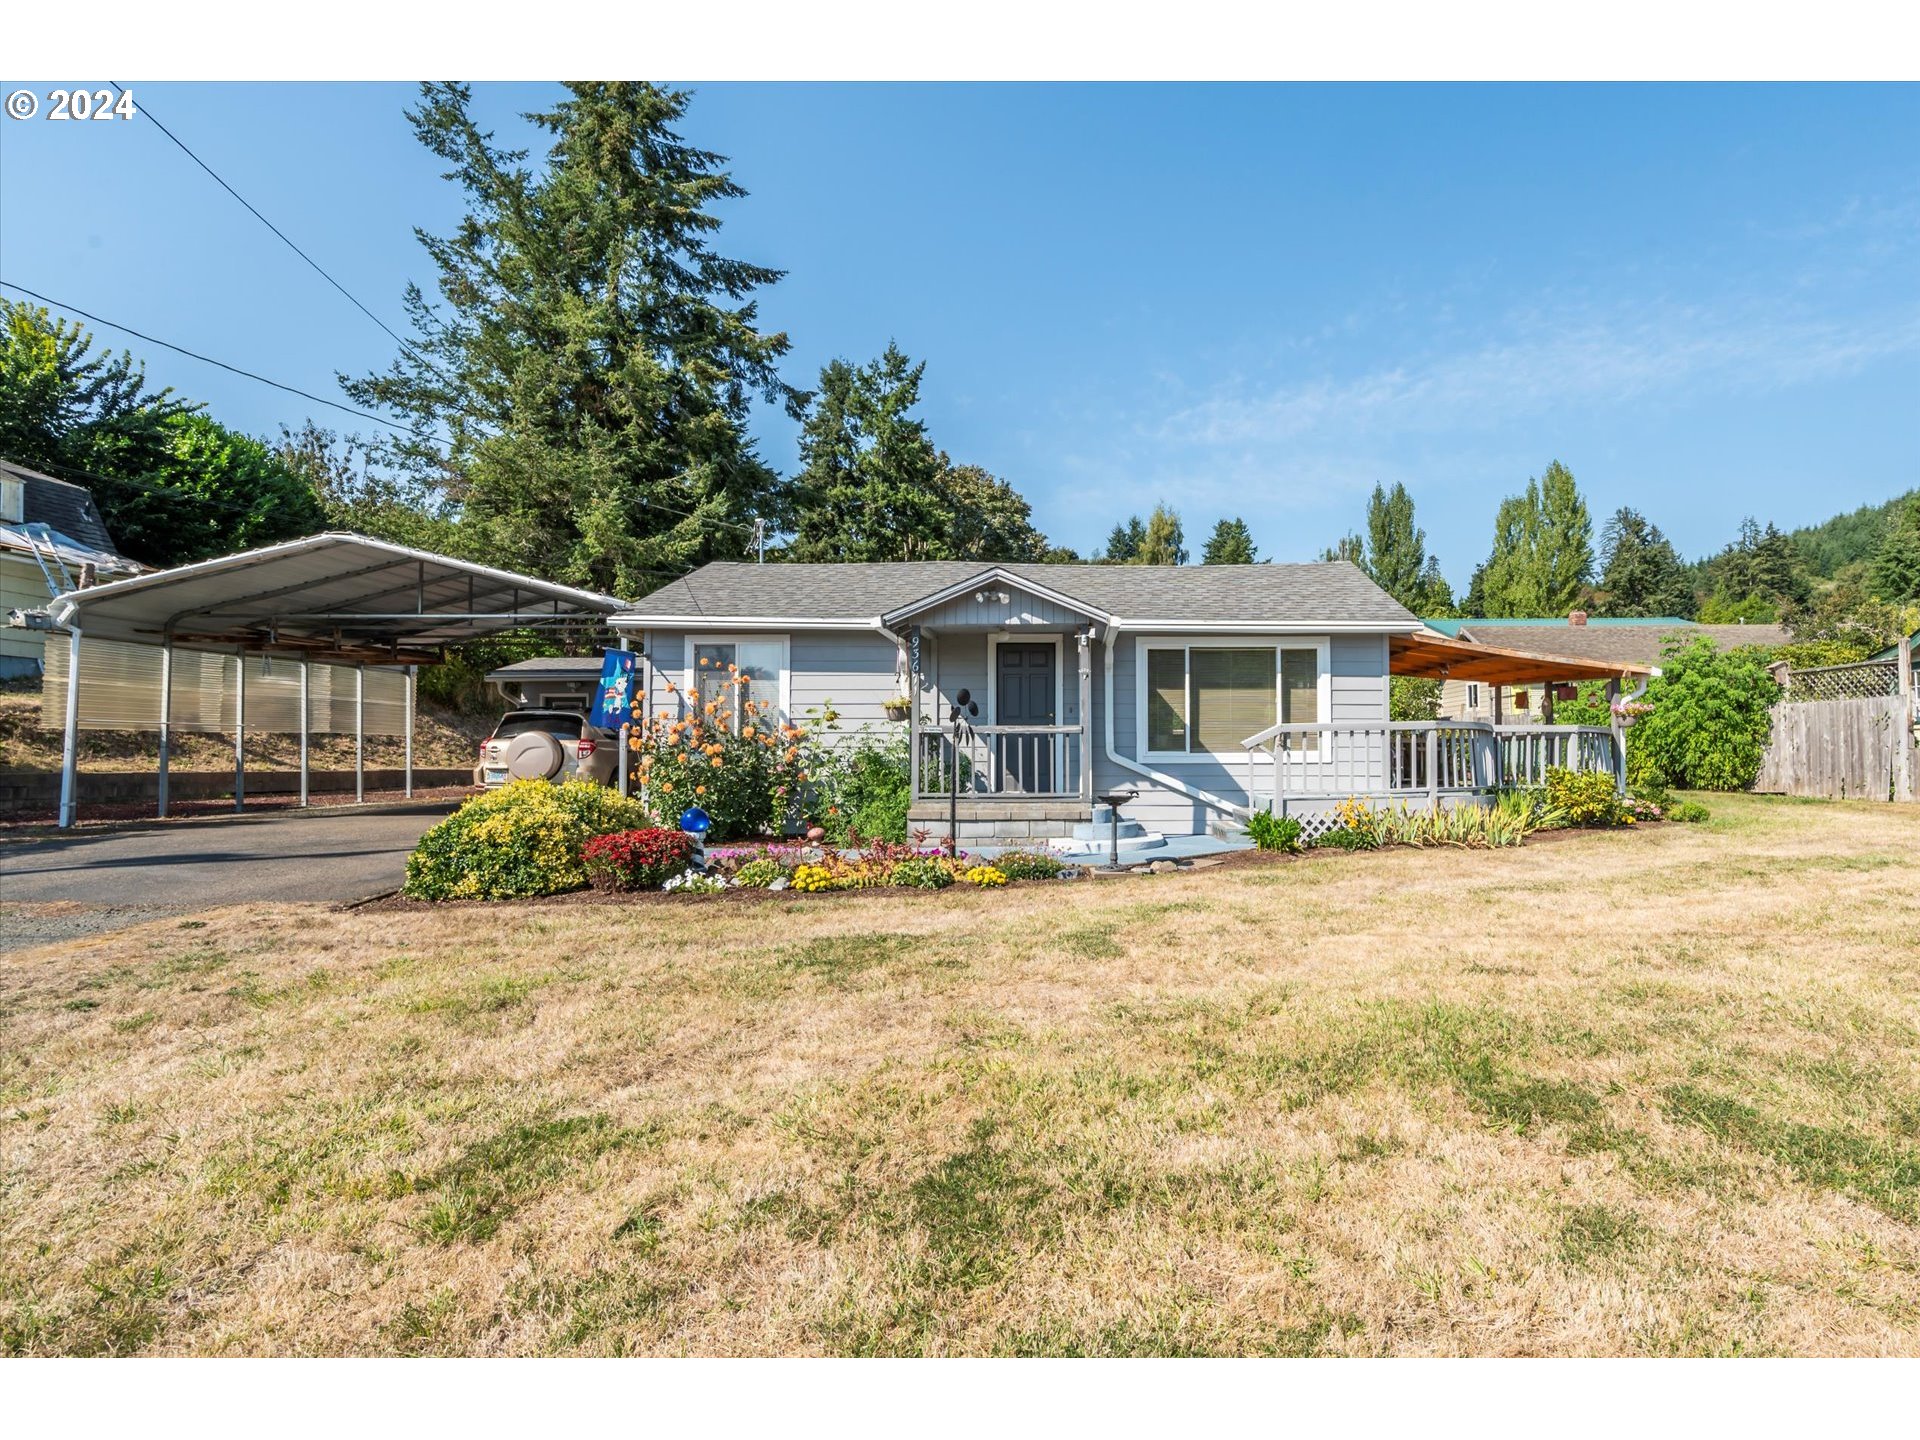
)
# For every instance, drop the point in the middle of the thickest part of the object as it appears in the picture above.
(1130, 844)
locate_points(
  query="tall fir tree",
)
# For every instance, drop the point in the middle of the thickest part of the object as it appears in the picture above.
(1641, 574)
(868, 482)
(873, 487)
(1760, 577)
(1895, 572)
(1124, 541)
(1230, 544)
(592, 357)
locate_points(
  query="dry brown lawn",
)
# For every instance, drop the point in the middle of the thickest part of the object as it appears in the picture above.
(1641, 1093)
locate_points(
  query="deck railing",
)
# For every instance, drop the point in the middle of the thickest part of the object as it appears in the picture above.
(1029, 762)
(1413, 760)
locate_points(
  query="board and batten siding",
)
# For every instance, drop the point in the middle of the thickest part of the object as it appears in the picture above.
(1019, 610)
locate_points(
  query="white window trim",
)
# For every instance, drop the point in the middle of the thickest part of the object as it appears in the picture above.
(1322, 645)
(993, 671)
(689, 680)
(13, 502)
(1473, 694)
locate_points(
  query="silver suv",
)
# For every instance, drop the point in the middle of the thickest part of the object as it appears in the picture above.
(547, 745)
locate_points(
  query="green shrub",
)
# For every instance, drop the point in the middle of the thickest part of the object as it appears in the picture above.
(921, 875)
(864, 787)
(759, 874)
(1649, 790)
(1710, 719)
(520, 840)
(1585, 797)
(1690, 812)
(1345, 839)
(1029, 865)
(1274, 832)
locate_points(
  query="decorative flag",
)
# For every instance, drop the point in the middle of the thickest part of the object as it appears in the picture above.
(613, 697)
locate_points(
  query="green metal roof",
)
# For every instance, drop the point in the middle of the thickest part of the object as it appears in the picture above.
(1454, 627)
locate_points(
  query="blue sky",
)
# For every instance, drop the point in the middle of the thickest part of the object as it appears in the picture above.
(1252, 300)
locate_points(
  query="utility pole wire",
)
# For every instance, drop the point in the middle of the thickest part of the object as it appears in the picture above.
(209, 360)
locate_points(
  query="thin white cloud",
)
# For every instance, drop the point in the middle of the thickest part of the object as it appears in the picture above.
(1542, 363)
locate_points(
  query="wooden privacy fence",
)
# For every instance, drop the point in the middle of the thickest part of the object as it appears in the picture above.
(1840, 749)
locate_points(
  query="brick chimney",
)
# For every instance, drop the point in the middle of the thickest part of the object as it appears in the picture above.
(1578, 617)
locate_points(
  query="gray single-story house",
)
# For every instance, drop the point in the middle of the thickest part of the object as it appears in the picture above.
(1210, 690)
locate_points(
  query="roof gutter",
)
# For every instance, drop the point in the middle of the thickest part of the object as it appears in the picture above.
(1159, 777)
(631, 620)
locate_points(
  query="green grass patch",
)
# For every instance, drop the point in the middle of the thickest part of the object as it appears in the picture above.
(839, 957)
(1884, 1175)
(1593, 1233)
(477, 1191)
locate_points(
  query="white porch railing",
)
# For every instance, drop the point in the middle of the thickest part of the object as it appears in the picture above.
(1411, 760)
(1026, 762)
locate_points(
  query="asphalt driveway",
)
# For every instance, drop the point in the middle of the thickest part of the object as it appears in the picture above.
(331, 854)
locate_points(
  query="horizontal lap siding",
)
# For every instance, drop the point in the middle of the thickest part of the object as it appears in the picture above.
(855, 670)
(1357, 687)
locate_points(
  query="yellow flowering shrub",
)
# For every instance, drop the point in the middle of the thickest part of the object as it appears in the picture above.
(985, 876)
(522, 839)
(812, 878)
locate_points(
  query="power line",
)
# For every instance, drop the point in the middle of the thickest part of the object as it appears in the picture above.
(209, 360)
(285, 239)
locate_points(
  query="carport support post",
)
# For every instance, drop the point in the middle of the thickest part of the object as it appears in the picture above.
(412, 671)
(240, 732)
(359, 734)
(70, 747)
(306, 712)
(166, 723)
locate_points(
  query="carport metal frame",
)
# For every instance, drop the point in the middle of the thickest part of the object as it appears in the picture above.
(306, 634)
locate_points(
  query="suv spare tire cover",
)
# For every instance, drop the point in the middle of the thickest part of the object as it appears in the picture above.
(534, 755)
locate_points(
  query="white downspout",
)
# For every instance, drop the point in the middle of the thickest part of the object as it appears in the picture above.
(1157, 776)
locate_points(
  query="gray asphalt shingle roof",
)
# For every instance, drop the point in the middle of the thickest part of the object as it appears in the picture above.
(1328, 592)
(63, 506)
(1630, 644)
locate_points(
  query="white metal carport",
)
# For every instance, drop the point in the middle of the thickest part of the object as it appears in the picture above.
(335, 598)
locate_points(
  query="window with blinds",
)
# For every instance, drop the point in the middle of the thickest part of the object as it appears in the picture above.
(1166, 700)
(1203, 699)
(1233, 696)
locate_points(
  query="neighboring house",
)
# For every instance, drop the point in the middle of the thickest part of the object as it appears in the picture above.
(548, 682)
(1634, 642)
(1088, 679)
(51, 536)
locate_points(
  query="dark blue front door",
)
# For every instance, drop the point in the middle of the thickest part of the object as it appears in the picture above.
(1024, 695)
